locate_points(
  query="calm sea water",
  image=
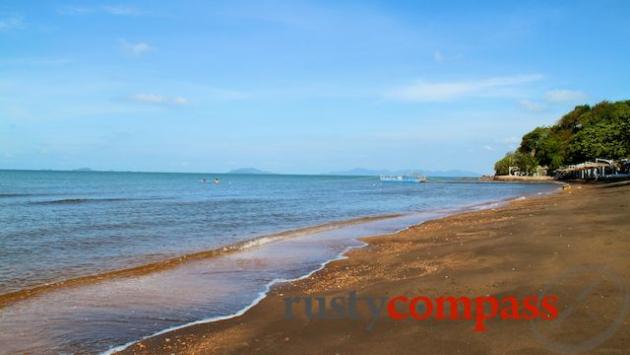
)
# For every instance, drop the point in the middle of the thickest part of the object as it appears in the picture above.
(61, 225)
(57, 225)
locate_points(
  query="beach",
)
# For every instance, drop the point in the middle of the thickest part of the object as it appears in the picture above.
(314, 177)
(109, 258)
(573, 244)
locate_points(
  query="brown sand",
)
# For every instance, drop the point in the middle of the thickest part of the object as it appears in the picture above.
(521, 249)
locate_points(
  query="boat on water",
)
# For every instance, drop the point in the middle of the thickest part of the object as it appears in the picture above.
(403, 178)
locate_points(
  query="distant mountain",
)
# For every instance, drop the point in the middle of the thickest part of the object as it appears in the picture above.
(370, 172)
(248, 171)
(83, 169)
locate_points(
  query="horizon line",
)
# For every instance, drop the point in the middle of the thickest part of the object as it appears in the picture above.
(338, 173)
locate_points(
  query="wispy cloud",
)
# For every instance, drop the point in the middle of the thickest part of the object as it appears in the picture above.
(441, 57)
(115, 10)
(559, 96)
(154, 99)
(438, 56)
(532, 106)
(11, 23)
(552, 98)
(424, 91)
(136, 48)
(72, 10)
(121, 10)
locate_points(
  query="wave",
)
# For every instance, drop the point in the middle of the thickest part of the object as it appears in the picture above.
(10, 195)
(342, 255)
(172, 262)
(76, 201)
(261, 295)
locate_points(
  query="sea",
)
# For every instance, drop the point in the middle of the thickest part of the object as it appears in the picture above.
(253, 231)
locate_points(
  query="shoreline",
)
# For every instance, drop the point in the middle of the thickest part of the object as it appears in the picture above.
(378, 225)
(211, 335)
(173, 262)
(364, 240)
(521, 179)
(168, 263)
(261, 296)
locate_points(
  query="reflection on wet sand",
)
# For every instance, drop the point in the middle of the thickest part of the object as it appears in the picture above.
(94, 317)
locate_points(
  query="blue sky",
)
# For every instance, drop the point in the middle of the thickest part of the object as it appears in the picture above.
(296, 87)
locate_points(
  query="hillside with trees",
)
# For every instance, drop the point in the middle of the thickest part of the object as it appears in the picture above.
(586, 133)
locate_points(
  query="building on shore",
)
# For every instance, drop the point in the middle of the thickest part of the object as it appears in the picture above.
(600, 169)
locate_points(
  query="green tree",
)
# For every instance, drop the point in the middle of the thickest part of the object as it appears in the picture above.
(585, 133)
(606, 137)
(530, 143)
(502, 166)
(526, 163)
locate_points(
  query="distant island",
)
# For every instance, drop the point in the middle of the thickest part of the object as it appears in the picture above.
(249, 171)
(441, 173)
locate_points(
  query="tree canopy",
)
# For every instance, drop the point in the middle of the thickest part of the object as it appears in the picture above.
(586, 133)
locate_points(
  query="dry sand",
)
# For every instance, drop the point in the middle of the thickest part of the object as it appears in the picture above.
(575, 244)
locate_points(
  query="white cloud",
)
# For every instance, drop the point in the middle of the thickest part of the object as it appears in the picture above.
(533, 106)
(488, 148)
(121, 10)
(136, 48)
(559, 96)
(11, 23)
(115, 10)
(180, 101)
(441, 57)
(443, 91)
(75, 10)
(154, 99)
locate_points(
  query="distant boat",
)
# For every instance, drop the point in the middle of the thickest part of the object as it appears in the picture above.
(403, 178)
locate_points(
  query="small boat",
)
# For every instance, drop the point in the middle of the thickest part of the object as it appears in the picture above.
(403, 178)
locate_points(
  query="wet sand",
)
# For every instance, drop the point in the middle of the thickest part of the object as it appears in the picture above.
(171, 263)
(574, 244)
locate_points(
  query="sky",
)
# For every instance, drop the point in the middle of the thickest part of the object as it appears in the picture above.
(296, 86)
